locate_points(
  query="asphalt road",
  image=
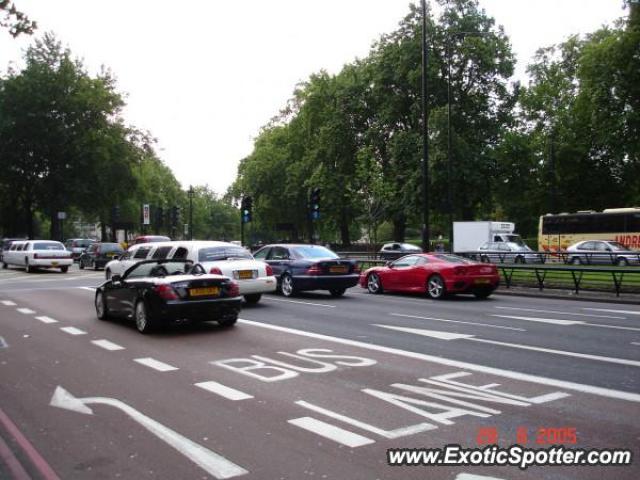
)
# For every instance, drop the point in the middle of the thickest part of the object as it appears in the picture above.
(309, 387)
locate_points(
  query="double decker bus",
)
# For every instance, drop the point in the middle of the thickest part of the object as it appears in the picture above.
(557, 231)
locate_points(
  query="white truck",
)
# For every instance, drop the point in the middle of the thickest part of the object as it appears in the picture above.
(469, 236)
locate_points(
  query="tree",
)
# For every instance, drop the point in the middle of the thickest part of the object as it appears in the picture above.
(16, 21)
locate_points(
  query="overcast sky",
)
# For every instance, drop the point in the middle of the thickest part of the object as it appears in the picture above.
(204, 75)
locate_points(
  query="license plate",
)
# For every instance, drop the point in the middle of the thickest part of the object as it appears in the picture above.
(245, 274)
(204, 292)
(481, 281)
(54, 263)
(338, 269)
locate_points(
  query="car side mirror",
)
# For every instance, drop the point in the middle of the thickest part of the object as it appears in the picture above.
(116, 278)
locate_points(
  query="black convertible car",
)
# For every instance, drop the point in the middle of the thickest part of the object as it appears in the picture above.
(161, 291)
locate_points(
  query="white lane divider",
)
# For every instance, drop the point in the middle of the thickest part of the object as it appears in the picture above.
(326, 430)
(155, 364)
(457, 336)
(224, 391)
(610, 310)
(25, 311)
(553, 321)
(458, 321)
(107, 345)
(45, 319)
(73, 331)
(557, 312)
(8, 303)
(473, 476)
(635, 343)
(271, 299)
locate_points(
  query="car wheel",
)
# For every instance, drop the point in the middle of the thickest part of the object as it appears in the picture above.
(435, 287)
(482, 294)
(337, 292)
(374, 284)
(228, 320)
(286, 285)
(64, 269)
(519, 259)
(623, 262)
(4, 266)
(80, 264)
(253, 298)
(102, 311)
(143, 323)
(28, 268)
(575, 261)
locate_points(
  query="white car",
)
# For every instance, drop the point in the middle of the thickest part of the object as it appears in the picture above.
(254, 277)
(33, 254)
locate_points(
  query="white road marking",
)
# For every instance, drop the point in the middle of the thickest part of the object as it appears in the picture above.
(553, 321)
(635, 343)
(45, 319)
(155, 364)
(224, 391)
(525, 377)
(71, 278)
(8, 303)
(471, 476)
(91, 289)
(302, 303)
(26, 311)
(107, 345)
(629, 312)
(339, 435)
(426, 333)
(561, 313)
(73, 331)
(211, 462)
(615, 327)
(458, 321)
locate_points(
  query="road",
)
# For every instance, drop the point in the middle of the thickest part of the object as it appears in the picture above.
(309, 387)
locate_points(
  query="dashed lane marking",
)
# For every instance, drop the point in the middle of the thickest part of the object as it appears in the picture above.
(561, 313)
(91, 289)
(8, 303)
(224, 391)
(155, 364)
(331, 432)
(271, 299)
(107, 345)
(552, 321)
(458, 321)
(73, 331)
(627, 312)
(25, 311)
(45, 319)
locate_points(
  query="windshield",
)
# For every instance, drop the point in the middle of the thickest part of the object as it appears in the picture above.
(158, 269)
(312, 251)
(452, 258)
(618, 247)
(110, 247)
(222, 253)
(515, 239)
(48, 246)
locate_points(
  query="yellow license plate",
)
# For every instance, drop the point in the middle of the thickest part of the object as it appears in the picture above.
(54, 263)
(245, 274)
(204, 292)
(339, 269)
(481, 280)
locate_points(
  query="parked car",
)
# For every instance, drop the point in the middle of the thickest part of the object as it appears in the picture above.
(394, 250)
(34, 254)
(435, 274)
(601, 252)
(6, 244)
(254, 277)
(99, 254)
(300, 267)
(149, 239)
(162, 291)
(77, 246)
(508, 252)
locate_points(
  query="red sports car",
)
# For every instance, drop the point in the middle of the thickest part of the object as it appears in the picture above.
(437, 274)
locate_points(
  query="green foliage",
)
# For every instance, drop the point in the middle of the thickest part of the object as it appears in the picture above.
(15, 20)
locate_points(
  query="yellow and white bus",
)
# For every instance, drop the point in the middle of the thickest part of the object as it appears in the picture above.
(557, 231)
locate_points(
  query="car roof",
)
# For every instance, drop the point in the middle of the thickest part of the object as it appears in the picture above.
(293, 245)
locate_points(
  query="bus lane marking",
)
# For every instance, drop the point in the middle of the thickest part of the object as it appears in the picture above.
(45, 319)
(558, 312)
(326, 430)
(155, 364)
(224, 391)
(611, 310)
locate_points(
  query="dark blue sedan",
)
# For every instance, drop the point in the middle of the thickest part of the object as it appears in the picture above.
(300, 267)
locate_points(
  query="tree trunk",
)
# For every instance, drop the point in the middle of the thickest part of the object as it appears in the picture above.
(344, 228)
(28, 206)
(399, 228)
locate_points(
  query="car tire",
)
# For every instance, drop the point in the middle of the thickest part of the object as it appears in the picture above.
(374, 284)
(228, 320)
(28, 268)
(575, 261)
(436, 288)
(337, 292)
(64, 269)
(94, 265)
(4, 266)
(144, 324)
(623, 262)
(286, 285)
(252, 298)
(482, 294)
(100, 302)
(80, 264)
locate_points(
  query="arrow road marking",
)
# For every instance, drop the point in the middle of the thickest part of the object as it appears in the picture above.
(458, 336)
(211, 462)
(568, 322)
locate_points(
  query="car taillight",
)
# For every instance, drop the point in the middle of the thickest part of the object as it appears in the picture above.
(166, 292)
(35, 255)
(215, 270)
(313, 270)
(233, 289)
(460, 271)
(269, 271)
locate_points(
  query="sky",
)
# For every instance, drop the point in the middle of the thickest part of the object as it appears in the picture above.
(203, 76)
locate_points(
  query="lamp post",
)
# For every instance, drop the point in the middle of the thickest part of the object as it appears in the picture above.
(190, 193)
(425, 134)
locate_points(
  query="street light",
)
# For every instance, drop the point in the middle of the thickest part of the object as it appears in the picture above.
(190, 193)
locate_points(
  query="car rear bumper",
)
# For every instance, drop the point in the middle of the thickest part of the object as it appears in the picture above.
(50, 263)
(325, 282)
(199, 310)
(257, 285)
(471, 284)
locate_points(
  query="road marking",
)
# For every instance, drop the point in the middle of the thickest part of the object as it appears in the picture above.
(302, 303)
(615, 327)
(635, 343)
(471, 476)
(8, 303)
(541, 320)
(224, 391)
(426, 333)
(45, 319)
(3, 343)
(458, 321)
(561, 313)
(71, 278)
(91, 289)
(326, 430)
(525, 377)
(630, 312)
(107, 345)
(26, 311)
(155, 364)
(73, 331)
(209, 461)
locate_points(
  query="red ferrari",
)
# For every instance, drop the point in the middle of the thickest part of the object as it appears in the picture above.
(435, 274)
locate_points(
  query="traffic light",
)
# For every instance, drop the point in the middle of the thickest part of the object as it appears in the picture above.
(315, 204)
(175, 216)
(246, 206)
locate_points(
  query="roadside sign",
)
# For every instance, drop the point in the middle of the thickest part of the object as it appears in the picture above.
(146, 214)
(62, 215)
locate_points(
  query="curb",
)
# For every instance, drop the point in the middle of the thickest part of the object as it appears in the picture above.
(585, 296)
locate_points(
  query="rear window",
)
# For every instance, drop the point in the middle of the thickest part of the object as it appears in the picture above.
(311, 251)
(48, 246)
(110, 247)
(212, 254)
